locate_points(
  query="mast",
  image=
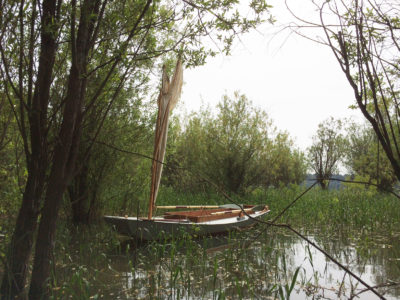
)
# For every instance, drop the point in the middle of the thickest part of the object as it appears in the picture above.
(167, 99)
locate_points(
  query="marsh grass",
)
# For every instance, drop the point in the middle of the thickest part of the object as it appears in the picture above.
(345, 208)
(358, 227)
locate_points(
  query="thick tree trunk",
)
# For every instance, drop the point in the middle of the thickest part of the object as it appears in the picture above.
(46, 236)
(66, 152)
(321, 182)
(20, 248)
(60, 176)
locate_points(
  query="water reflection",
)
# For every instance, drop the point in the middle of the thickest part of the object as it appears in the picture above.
(240, 267)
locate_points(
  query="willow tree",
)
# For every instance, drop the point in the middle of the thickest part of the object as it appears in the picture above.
(236, 147)
(59, 59)
(326, 151)
(364, 38)
(365, 160)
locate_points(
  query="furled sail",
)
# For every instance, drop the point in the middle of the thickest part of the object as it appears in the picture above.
(167, 99)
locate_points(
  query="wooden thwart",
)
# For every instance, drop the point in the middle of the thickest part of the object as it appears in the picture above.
(229, 212)
(187, 206)
(198, 216)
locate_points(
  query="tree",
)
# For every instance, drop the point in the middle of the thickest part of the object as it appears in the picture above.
(238, 148)
(326, 151)
(127, 125)
(106, 175)
(59, 61)
(365, 159)
(287, 164)
(225, 148)
(363, 36)
(238, 136)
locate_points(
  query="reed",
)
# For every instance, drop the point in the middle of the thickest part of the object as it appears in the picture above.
(94, 263)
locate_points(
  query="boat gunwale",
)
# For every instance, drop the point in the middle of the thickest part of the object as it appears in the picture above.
(232, 219)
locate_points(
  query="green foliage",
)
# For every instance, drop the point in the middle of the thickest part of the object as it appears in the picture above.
(12, 160)
(327, 150)
(363, 36)
(288, 164)
(114, 97)
(65, 67)
(238, 149)
(109, 178)
(366, 160)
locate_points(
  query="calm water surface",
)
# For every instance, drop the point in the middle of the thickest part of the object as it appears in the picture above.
(235, 268)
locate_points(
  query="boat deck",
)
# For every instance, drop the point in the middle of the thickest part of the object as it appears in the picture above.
(205, 215)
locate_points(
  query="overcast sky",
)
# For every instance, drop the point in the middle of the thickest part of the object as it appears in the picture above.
(297, 82)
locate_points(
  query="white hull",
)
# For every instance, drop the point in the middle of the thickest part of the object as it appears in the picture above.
(158, 227)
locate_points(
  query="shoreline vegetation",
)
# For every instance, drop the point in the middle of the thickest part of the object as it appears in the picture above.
(352, 224)
(78, 125)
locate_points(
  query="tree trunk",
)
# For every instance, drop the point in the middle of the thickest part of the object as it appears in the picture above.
(66, 152)
(321, 182)
(20, 248)
(60, 176)
(46, 236)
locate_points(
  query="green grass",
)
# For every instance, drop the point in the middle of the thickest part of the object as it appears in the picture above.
(93, 263)
(348, 207)
(358, 208)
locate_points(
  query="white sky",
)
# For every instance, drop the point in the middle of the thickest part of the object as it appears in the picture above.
(297, 82)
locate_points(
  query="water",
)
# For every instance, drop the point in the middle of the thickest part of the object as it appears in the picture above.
(239, 267)
(374, 261)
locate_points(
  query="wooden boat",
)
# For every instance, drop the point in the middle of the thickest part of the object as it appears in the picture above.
(206, 220)
(194, 222)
